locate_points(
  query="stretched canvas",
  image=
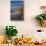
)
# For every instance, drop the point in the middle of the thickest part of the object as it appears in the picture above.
(17, 10)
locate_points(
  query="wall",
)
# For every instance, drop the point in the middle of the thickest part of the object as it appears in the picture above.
(29, 24)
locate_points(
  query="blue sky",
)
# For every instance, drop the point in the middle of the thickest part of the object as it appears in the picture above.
(16, 0)
(17, 3)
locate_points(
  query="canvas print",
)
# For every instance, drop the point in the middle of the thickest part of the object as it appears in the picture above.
(17, 9)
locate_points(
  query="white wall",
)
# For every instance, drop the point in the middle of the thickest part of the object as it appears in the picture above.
(29, 24)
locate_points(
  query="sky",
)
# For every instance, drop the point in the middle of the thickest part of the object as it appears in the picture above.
(16, 0)
(17, 3)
